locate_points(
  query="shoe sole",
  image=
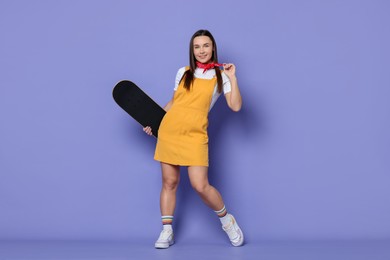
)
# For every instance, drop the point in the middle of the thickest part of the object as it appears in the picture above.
(241, 241)
(163, 245)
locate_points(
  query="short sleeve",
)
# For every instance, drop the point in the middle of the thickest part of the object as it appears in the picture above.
(179, 75)
(227, 87)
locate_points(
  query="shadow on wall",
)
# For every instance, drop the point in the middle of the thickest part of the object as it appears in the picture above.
(246, 125)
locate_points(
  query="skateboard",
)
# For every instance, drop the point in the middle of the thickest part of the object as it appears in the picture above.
(138, 105)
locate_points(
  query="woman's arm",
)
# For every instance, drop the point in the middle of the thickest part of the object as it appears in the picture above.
(233, 98)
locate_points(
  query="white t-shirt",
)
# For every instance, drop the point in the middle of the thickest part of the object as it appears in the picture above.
(207, 75)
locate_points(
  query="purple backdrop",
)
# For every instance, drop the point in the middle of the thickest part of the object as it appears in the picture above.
(307, 157)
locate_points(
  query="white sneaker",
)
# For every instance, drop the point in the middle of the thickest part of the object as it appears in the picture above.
(165, 239)
(234, 232)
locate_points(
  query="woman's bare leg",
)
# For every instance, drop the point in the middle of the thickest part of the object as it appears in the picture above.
(212, 198)
(170, 183)
(199, 180)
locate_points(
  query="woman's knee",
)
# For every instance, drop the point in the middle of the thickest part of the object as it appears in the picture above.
(200, 187)
(170, 183)
(199, 178)
(170, 176)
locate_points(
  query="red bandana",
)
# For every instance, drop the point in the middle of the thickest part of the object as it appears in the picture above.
(207, 66)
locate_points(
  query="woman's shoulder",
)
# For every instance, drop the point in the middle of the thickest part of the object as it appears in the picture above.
(180, 74)
(183, 69)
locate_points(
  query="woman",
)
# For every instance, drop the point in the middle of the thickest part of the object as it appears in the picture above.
(182, 136)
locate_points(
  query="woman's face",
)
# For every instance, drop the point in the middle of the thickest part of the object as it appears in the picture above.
(203, 49)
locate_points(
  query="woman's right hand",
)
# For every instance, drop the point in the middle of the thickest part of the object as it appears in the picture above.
(148, 130)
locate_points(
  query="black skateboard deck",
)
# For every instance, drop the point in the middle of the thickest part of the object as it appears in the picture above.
(138, 105)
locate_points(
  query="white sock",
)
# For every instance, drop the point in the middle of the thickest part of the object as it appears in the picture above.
(225, 220)
(167, 222)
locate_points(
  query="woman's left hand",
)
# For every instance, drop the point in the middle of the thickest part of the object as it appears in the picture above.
(229, 69)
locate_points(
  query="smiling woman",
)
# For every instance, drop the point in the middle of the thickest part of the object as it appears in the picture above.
(203, 48)
(183, 138)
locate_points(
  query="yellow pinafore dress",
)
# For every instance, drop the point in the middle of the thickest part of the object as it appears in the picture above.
(182, 136)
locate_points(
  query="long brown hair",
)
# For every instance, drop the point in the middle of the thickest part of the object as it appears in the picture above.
(189, 74)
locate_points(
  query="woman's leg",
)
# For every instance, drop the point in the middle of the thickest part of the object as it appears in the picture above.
(170, 183)
(200, 182)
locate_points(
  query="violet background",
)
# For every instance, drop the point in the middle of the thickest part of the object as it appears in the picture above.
(306, 158)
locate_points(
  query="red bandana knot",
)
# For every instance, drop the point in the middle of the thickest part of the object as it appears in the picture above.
(207, 66)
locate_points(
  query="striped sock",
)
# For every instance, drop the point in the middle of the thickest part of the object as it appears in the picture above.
(221, 213)
(223, 216)
(167, 221)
